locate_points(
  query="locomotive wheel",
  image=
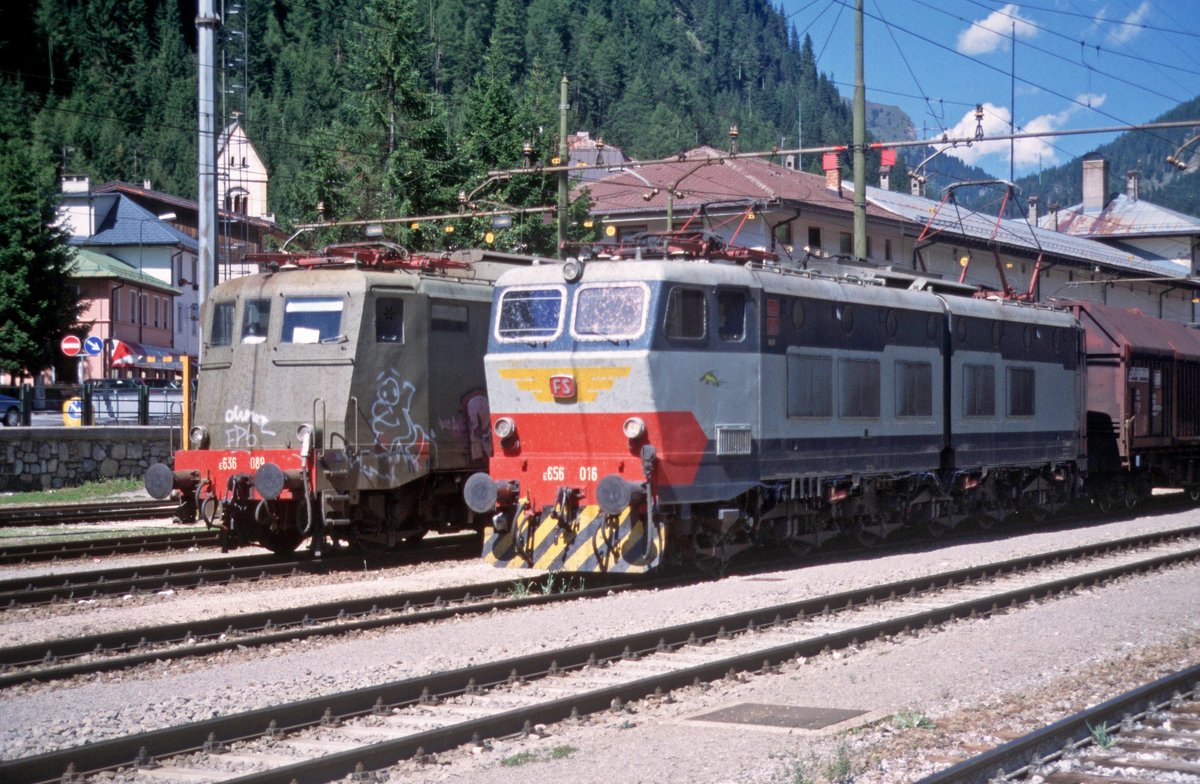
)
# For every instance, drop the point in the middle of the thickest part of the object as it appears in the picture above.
(370, 546)
(282, 542)
(799, 548)
(866, 538)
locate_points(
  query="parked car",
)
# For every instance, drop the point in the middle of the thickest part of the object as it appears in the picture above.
(10, 410)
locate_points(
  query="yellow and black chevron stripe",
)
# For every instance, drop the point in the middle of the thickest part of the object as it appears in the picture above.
(591, 542)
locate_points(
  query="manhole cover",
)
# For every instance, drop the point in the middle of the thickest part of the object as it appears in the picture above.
(795, 716)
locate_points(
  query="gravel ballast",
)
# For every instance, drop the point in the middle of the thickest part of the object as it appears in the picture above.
(983, 680)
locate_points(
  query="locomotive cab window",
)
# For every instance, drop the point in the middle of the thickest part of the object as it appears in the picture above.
(312, 320)
(1020, 392)
(731, 315)
(448, 317)
(256, 317)
(389, 320)
(616, 312)
(221, 333)
(530, 314)
(687, 314)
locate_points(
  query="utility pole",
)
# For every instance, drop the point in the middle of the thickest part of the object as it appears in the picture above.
(563, 156)
(860, 139)
(207, 22)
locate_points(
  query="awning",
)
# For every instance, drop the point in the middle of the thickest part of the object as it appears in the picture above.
(126, 353)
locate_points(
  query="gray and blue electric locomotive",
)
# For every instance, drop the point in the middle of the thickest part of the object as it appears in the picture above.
(689, 400)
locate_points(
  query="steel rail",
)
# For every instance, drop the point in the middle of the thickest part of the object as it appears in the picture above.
(57, 514)
(1019, 755)
(130, 648)
(115, 545)
(268, 722)
(24, 592)
(54, 659)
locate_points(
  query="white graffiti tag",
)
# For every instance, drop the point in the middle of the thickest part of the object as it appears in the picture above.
(402, 441)
(243, 424)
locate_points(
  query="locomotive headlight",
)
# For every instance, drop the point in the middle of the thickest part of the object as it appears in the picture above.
(304, 434)
(505, 429)
(634, 428)
(572, 270)
(198, 437)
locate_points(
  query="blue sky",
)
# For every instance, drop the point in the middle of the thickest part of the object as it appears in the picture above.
(1079, 64)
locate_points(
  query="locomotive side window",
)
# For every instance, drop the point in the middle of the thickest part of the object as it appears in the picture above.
(687, 314)
(256, 316)
(979, 390)
(448, 317)
(914, 389)
(530, 314)
(222, 325)
(731, 318)
(610, 312)
(1020, 392)
(859, 387)
(809, 386)
(312, 319)
(389, 320)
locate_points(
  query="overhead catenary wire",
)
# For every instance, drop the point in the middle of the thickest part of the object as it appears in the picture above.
(989, 66)
(1048, 53)
(1073, 40)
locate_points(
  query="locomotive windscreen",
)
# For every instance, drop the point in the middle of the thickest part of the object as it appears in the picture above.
(312, 319)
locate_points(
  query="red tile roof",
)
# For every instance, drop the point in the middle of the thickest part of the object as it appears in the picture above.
(705, 175)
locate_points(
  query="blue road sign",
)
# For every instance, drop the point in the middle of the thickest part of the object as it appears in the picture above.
(93, 345)
(73, 412)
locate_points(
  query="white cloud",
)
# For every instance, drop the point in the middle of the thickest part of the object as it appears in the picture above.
(993, 32)
(1027, 152)
(1124, 33)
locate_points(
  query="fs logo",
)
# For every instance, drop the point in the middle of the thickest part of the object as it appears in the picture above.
(562, 387)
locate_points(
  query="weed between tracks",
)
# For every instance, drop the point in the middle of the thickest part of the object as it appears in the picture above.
(912, 720)
(1102, 735)
(525, 757)
(839, 768)
(554, 583)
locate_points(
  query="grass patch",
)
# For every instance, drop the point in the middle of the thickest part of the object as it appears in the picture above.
(90, 491)
(840, 769)
(1102, 735)
(526, 757)
(518, 759)
(912, 720)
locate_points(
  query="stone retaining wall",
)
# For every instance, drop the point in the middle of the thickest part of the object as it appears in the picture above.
(40, 458)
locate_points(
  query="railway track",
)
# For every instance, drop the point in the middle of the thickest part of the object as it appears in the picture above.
(105, 511)
(1145, 736)
(368, 729)
(78, 586)
(71, 657)
(97, 548)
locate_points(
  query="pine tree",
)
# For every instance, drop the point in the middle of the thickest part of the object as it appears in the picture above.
(37, 306)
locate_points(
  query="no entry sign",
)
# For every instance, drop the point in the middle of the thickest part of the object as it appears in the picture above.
(70, 345)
